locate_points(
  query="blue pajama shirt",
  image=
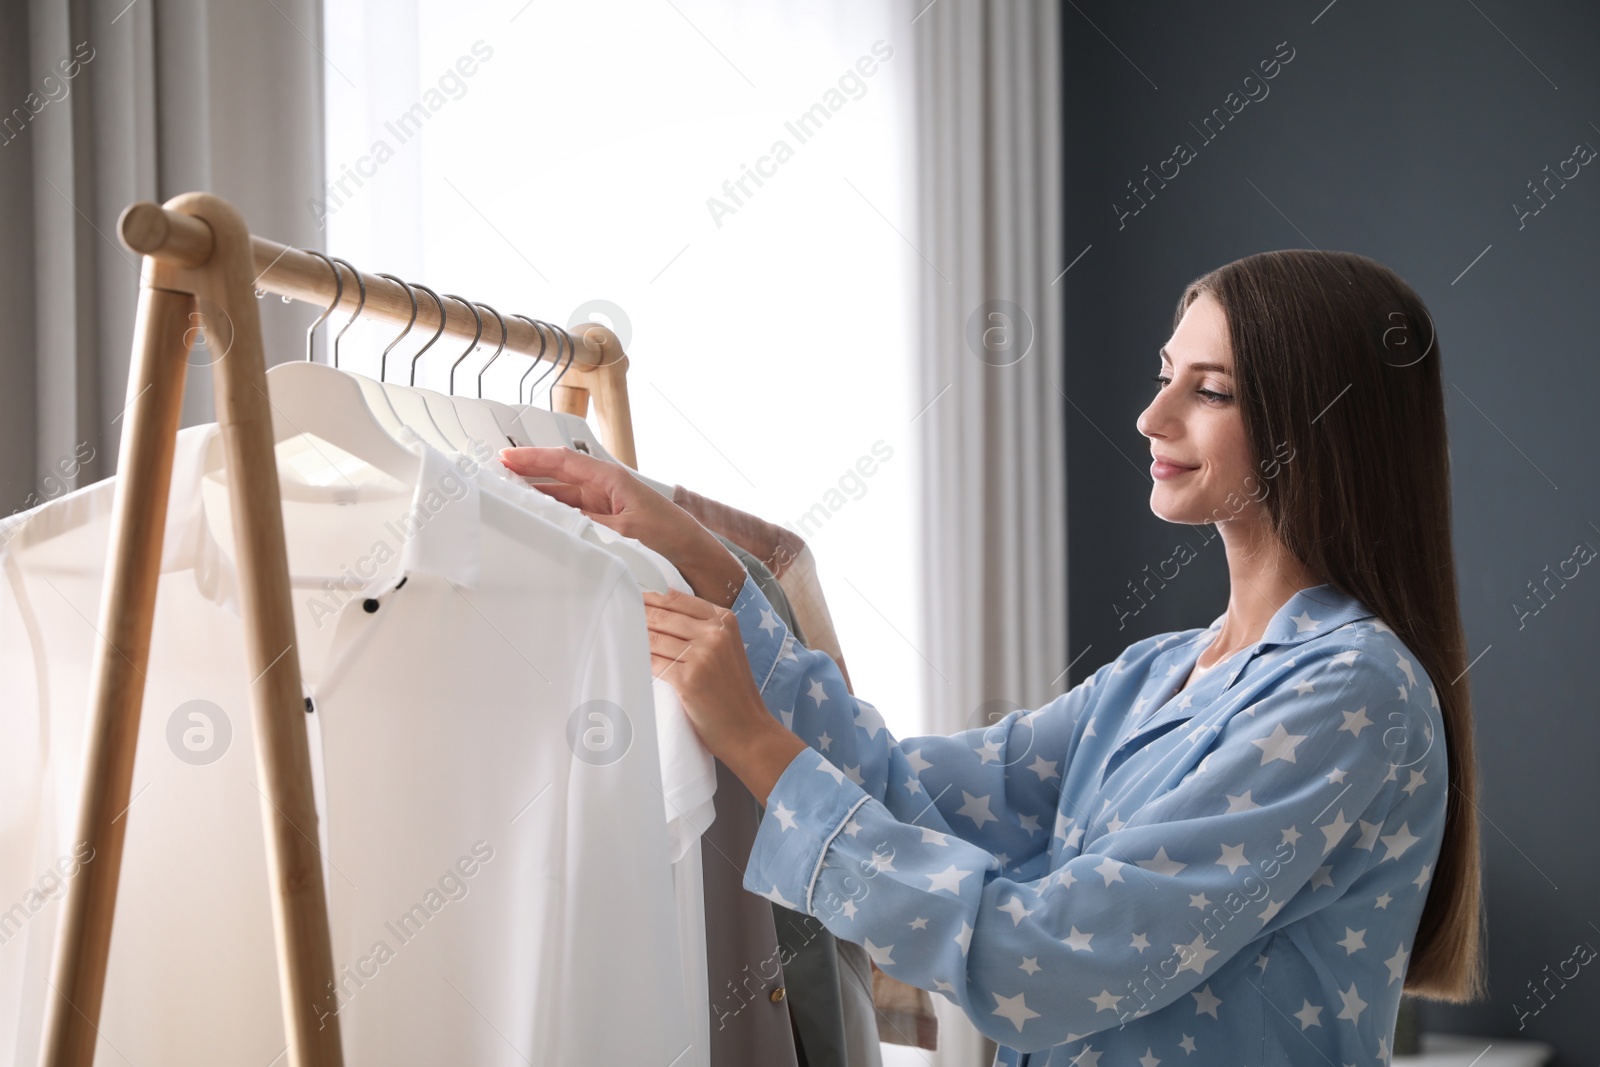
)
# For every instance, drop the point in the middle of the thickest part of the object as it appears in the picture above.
(1130, 875)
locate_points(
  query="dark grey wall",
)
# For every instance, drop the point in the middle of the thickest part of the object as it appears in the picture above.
(1405, 132)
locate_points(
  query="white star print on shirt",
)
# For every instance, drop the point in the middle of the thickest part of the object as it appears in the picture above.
(1399, 841)
(1233, 857)
(976, 809)
(1353, 1005)
(1106, 1001)
(1015, 1009)
(1242, 802)
(1353, 940)
(1280, 744)
(1016, 909)
(1397, 964)
(948, 880)
(1355, 721)
(1160, 863)
(1175, 841)
(1078, 941)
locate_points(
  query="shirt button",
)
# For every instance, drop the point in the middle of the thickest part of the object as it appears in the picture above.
(776, 996)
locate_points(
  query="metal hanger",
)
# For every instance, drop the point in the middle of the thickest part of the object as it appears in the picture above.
(535, 425)
(311, 398)
(383, 360)
(436, 334)
(436, 402)
(540, 359)
(476, 337)
(479, 422)
(384, 409)
(501, 320)
(512, 427)
(361, 303)
(409, 401)
(572, 351)
(577, 431)
(338, 295)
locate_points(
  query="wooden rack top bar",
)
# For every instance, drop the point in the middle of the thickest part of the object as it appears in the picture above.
(186, 241)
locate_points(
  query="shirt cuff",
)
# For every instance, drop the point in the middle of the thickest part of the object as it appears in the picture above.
(764, 634)
(808, 807)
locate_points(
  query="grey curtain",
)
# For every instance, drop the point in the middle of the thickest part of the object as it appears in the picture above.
(102, 104)
(992, 491)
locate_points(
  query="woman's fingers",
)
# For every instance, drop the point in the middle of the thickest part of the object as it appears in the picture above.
(563, 464)
(679, 603)
(666, 668)
(664, 644)
(578, 496)
(676, 623)
(571, 495)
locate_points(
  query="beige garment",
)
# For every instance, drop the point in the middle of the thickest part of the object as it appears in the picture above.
(904, 1014)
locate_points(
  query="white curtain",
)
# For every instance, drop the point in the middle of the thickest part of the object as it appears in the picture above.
(992, 562)
(163, 97)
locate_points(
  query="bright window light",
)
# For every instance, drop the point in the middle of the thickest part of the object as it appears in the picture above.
(727, 185)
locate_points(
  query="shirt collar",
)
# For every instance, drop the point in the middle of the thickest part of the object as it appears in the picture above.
(439, 534)
(1309, 613)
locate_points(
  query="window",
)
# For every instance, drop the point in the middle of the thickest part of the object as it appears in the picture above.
(725, 185)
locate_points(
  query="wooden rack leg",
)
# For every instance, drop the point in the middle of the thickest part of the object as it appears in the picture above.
(207, 270)
(149, 430)
(603, 372)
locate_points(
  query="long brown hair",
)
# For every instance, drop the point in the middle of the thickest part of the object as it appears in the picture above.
(1335, 353)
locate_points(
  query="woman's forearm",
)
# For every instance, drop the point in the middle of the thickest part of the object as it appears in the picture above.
(761, 760)
(714, 573)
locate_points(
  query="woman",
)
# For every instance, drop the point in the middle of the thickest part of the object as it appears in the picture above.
(1230, 845)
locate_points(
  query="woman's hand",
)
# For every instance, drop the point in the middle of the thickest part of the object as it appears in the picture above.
(695, 646)
(609, 494)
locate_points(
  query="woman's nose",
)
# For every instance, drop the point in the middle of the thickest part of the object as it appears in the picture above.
(1152, 418)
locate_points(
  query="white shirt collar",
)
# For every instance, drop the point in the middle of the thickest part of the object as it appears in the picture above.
(440, 534)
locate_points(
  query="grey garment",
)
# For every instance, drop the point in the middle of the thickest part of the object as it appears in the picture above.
(744, 961)
(819, 997)
(744, 964)
(811, 968)
(862, 1044)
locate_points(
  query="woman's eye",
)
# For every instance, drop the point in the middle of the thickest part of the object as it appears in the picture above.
(1212, 397)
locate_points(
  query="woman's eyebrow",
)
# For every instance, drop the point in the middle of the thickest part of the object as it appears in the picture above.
(1219, 368)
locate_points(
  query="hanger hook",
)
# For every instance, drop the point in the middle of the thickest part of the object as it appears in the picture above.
(361, 283)
(440, 304)
(338, 295)
(383, 360)
(538, 327)
(502, 321)
(475, 337)
(572, 352)
(536, 360)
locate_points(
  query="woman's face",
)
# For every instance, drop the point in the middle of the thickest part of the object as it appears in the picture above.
(1193, 422)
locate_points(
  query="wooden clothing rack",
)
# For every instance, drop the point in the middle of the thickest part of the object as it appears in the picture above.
(202, 266)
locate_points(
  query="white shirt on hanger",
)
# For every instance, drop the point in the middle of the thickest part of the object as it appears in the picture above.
(490, 881)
